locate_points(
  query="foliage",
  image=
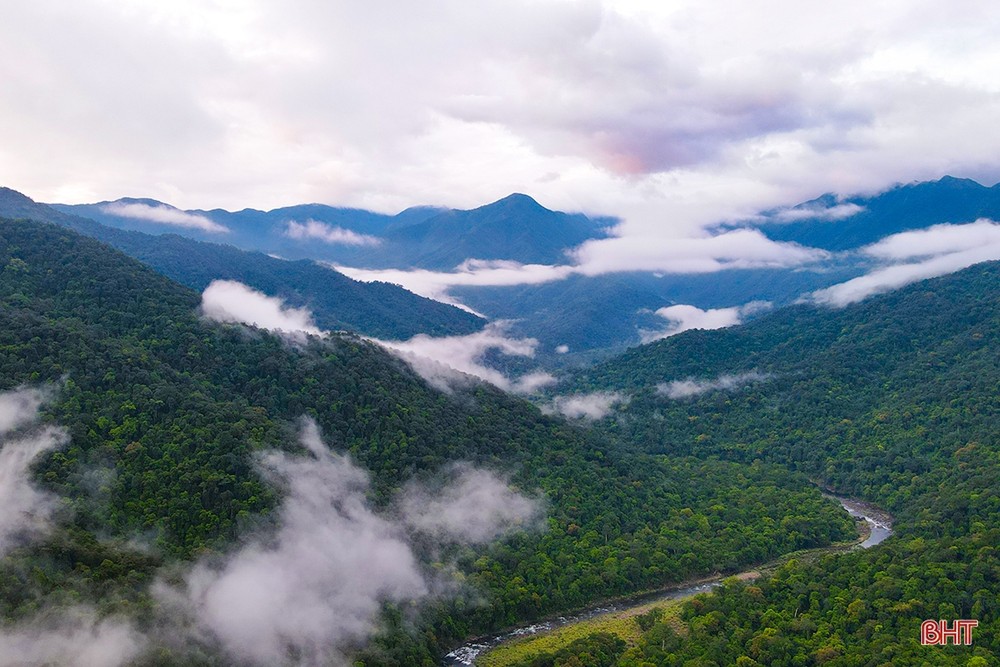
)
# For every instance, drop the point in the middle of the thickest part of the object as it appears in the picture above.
(894, 400)
(166, 410)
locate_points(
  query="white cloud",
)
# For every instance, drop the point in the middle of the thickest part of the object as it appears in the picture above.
(941, 249)
(835, 212)
(596, 405)
(166, 215)
(445, 361)
(231, 301)
(694, 387)
(707, 253)
(472, 272)
(529, 383)
(313, 229)
(19, 408)
(314, 591)
(26, 510)
(562, 349)
(71, 637)
(936, 240)
(442, 361)
(473, 507)
(735, 249)
(635, 109)
(683, 317)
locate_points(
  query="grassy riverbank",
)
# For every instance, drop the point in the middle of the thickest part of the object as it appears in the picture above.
(625, 623)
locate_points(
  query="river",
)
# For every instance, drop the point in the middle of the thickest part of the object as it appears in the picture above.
(879, 526)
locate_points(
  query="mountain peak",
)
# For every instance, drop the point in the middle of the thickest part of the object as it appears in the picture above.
(517, 200)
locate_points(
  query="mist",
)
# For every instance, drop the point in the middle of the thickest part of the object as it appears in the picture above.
(693, 387)
(682, 317)
(70, 637)
(313, 591)
(585, 406)
(165, 215)
(313, 229)
(917, 255)
(445, 362)
(234, 302)
(26, 510)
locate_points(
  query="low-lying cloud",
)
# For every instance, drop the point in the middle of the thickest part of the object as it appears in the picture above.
(438, 359)
(472, 272)
(231, 301)
(474, 507)
(165, 215)
(817, 212)
(708, 253)
(315, 589)
(596, 405)
(938, 251)
(69, 635)
(313, 229)
(73, 636)
(694, 387)
(445, 362)
(26, 510)
(683, 317)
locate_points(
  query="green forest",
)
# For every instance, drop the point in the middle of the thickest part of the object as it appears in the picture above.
(165, 411)
(894, 400)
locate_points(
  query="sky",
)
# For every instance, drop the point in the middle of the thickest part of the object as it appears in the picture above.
(669, 115)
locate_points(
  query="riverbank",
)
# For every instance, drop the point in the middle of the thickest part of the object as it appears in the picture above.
(874, 526)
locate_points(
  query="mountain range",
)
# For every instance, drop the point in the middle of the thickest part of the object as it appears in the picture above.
(594, 315)
(336, 301)
(514, 228)
(182, 460)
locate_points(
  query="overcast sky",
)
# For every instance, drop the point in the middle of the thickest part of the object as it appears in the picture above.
(669, 114)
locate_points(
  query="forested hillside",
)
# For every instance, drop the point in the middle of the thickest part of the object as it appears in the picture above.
(337, 302)
(894, 400)
(165, 411)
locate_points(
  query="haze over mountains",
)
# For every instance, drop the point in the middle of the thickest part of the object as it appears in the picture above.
(516, 261)
(515, 228)
(336, 301)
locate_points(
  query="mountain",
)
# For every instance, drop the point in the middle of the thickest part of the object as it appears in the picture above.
(514, 228)
(602, 315)
(893, 399)
(337, 302)
(902, 208)
(171, 422)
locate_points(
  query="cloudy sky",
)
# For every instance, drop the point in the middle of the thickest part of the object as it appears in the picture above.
(668, 114)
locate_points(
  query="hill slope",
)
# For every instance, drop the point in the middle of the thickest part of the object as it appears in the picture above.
(894, 400)
(337, 302)
(905, 207)
(514, 228)
(166, 415)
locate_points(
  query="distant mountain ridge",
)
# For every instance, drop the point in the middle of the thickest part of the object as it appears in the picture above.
(596, 315)
(336, 301)
(899, 209)
(515, 228)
